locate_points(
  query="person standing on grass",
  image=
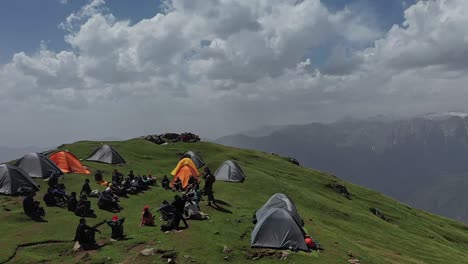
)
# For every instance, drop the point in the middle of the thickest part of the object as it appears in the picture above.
(179, 205)
(208, 189)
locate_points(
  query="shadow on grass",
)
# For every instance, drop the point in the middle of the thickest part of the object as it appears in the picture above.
(222, 202)
(221, 209)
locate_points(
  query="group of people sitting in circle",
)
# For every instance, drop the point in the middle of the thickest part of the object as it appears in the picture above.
(184, 207)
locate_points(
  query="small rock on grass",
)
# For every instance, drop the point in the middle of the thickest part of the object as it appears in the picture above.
(147, 252)
(226, 250)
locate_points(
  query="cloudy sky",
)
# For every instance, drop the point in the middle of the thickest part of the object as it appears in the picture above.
(77, 69)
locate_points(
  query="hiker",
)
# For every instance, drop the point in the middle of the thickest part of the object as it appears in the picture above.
(166, 210)
(72, 202)
(98, 177)
(208, 189)
(86, 189)
(117, 177)
(147, 219)
(152, 180)
(53, 180)
(60, 195)
(165, 182)
(147, 181)
(127, 185)
(179, 205)
(116, 225)
(192, 181)
(83, 208)
(192, 211)
(141, 183)
(49, 198)
(108, 202)
(31, 207)
(177, 185)
(194, 194)
(116, 190)
(131, 175)
(137, 186)
(85, 235)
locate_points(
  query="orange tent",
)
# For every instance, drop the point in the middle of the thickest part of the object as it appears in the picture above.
(68, 163)
(184, 169)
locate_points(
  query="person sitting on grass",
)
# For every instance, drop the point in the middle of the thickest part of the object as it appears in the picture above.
(177, 185)
(98, 177)
(127, 185)
(131, 175)
(116, 225)
(166, 210)
(108, 202)
(72, 202)
(60, 195)
(152, 180)
(85, 235)
(165, 182)
(147, 219)
(83, 208)
(32, 208)
(53, 180)
(117, 177)
(143, 186)
(49, 198)
(86, 189)
(117, 190)
(192, 211)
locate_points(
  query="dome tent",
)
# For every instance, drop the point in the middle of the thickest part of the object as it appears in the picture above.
(106, 154)
(38, 165)
(68, 163)
(279, 200)
(230, 171)
(196, 158)
(14, 179)
(277, 229)
(184, 169)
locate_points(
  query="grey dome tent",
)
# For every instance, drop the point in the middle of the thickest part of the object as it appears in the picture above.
(38, 165)
(197, 159)
(13, 180)
(277, 229)
(106, 154)
(279, 200)
(229, 171)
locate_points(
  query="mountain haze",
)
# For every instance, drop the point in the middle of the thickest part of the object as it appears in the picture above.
(402, 158)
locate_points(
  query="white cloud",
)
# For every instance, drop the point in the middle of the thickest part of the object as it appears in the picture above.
(220, 65)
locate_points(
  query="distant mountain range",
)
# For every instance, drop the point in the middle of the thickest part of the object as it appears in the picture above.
(422, 161)
(8, 154)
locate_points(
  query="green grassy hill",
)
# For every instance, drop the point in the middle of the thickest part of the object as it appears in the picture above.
(341, 225)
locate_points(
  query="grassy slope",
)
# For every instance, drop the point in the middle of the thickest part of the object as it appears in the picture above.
(341, 225)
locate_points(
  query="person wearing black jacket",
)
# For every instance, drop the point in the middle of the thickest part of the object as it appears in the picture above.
(31, 207)
(165, 182)
(72, 202)
(85, 235)
(116, 226)
(179, 205)
(86, 189)
(208, 189)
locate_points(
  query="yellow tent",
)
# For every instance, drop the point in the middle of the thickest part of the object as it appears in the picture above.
(184, 169)
(182, 163)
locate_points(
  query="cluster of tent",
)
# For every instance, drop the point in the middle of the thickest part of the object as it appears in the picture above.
(190, 162)
(278, 225)
(15, 179)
